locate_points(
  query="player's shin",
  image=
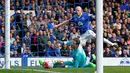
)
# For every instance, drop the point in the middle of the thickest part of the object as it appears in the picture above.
(59, 65)
(90, 65)
(107, 41)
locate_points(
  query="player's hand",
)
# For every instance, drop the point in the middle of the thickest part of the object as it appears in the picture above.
(55, 26)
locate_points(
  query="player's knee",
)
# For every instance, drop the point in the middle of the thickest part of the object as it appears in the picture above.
(93, 36)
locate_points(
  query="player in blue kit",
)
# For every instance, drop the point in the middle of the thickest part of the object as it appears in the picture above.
(81, 20)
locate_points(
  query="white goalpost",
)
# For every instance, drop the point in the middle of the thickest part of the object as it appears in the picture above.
(99, 32)
(7, 34)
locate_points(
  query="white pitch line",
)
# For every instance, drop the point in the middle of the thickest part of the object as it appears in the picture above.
(36, 70)
(46, 71)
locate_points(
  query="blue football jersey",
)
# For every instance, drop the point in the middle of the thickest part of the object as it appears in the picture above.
(81, 22)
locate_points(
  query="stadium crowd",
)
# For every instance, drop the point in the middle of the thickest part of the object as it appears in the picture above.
(35, 36)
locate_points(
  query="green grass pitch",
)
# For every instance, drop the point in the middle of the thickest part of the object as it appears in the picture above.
(115, 69)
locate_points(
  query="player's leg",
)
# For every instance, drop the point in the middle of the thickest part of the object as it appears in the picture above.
(69, 64)
(92, 65)
(59, 64)
(63, 64)
(56, 64)
(83, 63)
(84, 37)
(66, 64)
(93, 59)
(109, 42)
(90, 35)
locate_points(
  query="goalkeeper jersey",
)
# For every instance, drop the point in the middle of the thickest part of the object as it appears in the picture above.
(79, 58)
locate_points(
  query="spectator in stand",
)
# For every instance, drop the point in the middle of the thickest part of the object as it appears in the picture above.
(122, 43)
(19, 43)
(40, 21)
(18, 40)
(74, 34)
(70, 50)
(113, 38)
(12, 39)
(107, 52)
(124, 53)
(128, 23)
(14, 49)
(2, 4)
(64, 50)
(46, 19)
(52, 35)
(26, 51)
(128, 40)
(128, 50)
(28, 20)
(48, 49)
(58, 50)
(117, 24)
(34, 36)
(52, 50)
(2, 30)
(59, 33)
(42, 27)
(89, 52)
(2, 49)
(27, 39)
(23, 48)
(127, 32)
(64, 38)
(1, 41)
(13, 22)
(113, 50)
(117, 53)
(34, 42)
(33, 25)
(118, 37)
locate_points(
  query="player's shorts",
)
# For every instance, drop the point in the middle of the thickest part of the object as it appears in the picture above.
(89, 34)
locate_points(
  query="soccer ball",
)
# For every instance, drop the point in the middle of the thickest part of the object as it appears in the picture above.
(48, 64)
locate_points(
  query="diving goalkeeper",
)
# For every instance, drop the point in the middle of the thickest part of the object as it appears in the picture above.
(78, 55)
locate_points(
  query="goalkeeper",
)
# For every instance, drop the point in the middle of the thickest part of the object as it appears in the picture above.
(78, 55)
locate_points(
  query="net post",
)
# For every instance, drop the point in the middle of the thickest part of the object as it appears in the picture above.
(99, 36)
(7, 34)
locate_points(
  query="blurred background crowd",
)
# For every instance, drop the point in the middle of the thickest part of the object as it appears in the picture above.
(34, 35)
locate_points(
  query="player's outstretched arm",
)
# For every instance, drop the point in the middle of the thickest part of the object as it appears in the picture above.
(64, 22)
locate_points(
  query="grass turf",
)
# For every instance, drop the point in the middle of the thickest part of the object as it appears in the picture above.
(115, 69)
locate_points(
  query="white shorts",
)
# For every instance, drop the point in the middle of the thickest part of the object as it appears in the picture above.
(89, 34)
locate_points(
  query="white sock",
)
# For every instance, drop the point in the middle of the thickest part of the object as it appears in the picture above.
(107, 41)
